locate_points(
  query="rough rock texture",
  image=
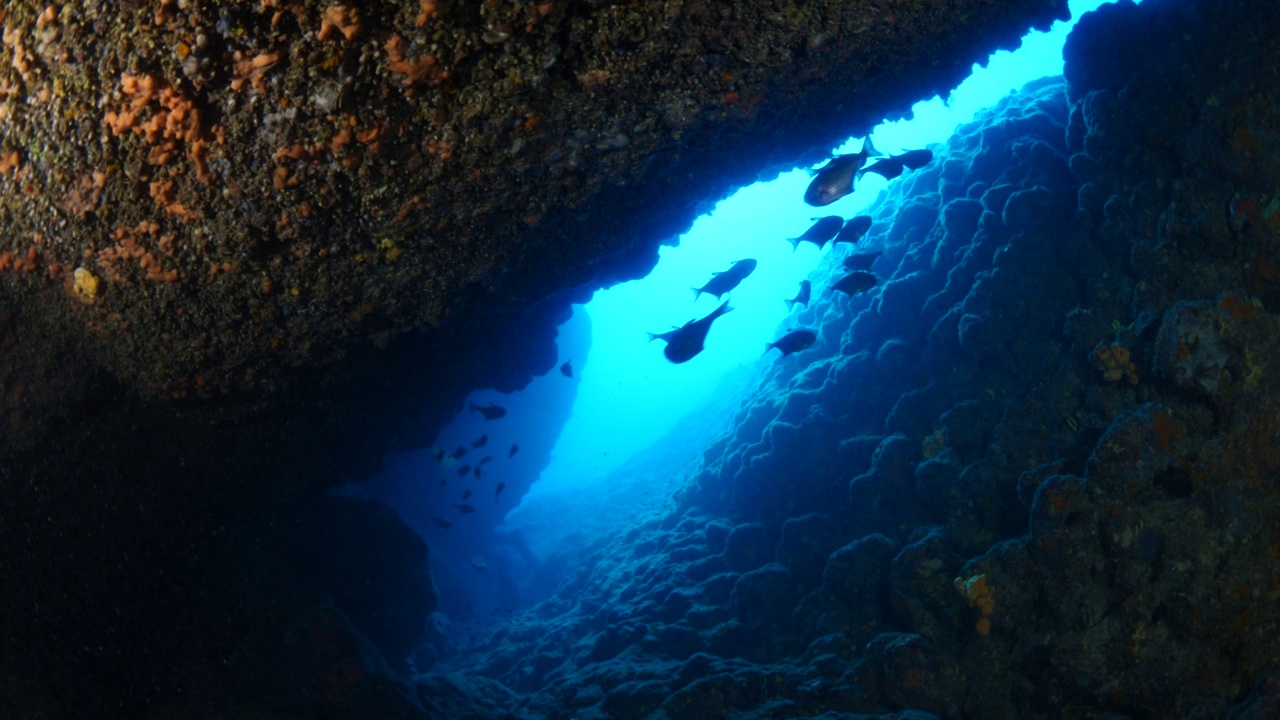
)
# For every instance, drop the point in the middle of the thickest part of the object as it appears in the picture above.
(1047, 441)
(249, 248)
(208, 193)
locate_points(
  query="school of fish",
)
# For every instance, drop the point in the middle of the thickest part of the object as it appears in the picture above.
(831, 182)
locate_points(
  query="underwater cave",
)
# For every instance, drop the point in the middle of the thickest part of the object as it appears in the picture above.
(638, 361)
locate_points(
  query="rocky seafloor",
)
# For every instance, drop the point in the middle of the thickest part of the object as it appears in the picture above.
(1033, 474)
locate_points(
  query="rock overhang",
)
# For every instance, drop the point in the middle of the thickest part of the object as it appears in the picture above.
(204, 196)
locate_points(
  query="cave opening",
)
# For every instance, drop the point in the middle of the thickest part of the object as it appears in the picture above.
(518, 487)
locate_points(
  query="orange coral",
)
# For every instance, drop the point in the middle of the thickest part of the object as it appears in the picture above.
(428, 10)
(341, 18)
(128, 247)
(252, 69)
(83, 198)
(22, 58)
(176, 122)
(1115, 362)
(425, 69)
(162, 192)
(8, 161)
(439, 148)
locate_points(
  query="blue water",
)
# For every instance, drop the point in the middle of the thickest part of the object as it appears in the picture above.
(586, 460)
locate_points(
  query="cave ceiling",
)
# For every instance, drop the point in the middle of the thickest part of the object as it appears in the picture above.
(205, 201)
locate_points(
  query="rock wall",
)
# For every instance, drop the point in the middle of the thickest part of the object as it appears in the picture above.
(1032, 473)
(249, 249)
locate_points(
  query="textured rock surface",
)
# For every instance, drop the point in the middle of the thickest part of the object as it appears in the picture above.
(1047, 442)
(200, 196)
(249, 248)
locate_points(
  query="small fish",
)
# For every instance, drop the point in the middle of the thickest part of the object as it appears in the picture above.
(820, 233)
(479, 442)
(464, 470)
(464, 508)
(722, 282)
(860, 261)
(689, 340)
(888, 168)
(835, 179)
(915, 159)
(567, 369)
(441, 522)
(478, 472)
(478, 566)
(490, 411)
(666, 336)
(802, 298)
(438, 455)
(855, 282)
(853, 230)
(794, 341)
(484, 460)
(514, 449)
(459, 452)
(501, 487)
(466, 495)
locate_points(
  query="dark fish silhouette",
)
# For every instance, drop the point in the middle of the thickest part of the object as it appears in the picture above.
(441, 522)
(835, 179)
(853, 230)
(438, 455)
(722, 282)
(490, 411)
(514, 449)
(478, 566)
(820, 233)
(855, 282)
(802, 298)
(501, 487)
(860, 261)
(915, 159)
(464, 470)
(484, 460)
(567, 369)
(888, 168)
(687, 341)
(479, 442)
(466, 495)
(458, 453)
(464, 508)
(477, 472)
(794, 341)
(666, 336)
(443, 482)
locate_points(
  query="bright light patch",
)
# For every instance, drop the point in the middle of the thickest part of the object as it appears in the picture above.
(630, 394)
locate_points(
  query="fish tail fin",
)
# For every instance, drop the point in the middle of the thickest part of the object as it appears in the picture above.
(790, 303)
(870, 149)
(652, 336)
(795, 243)
(724, 308)
(697, 293)
(767, 348)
